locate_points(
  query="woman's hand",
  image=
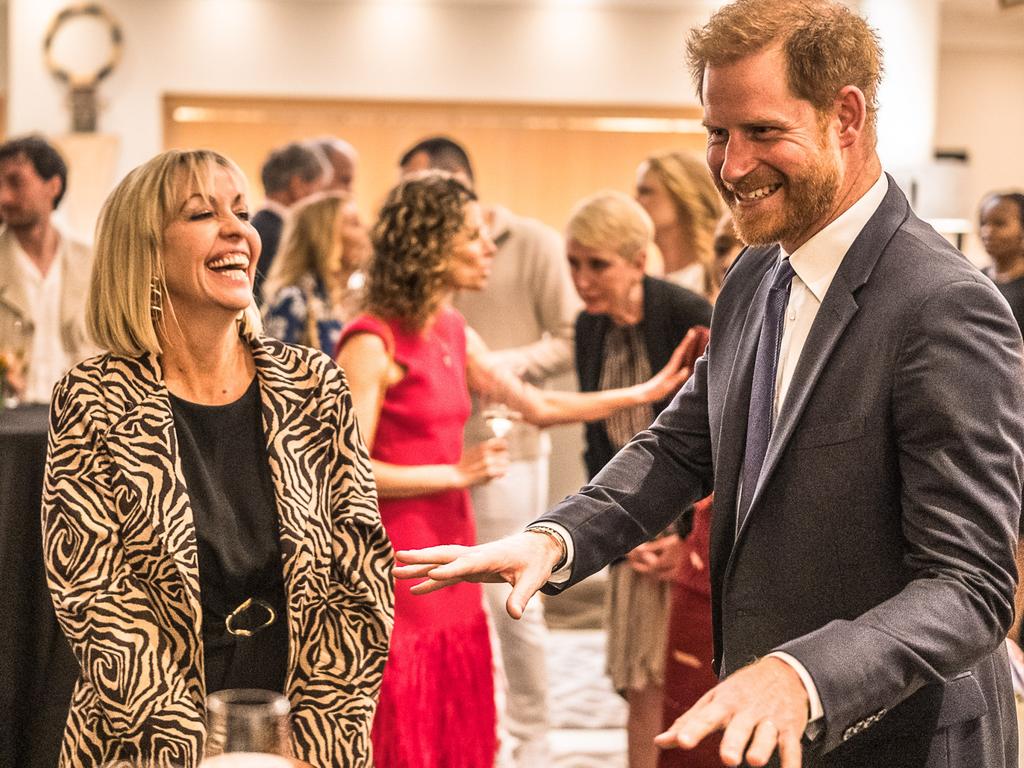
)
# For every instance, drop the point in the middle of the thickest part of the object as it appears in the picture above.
(482, 463)
(678, 368)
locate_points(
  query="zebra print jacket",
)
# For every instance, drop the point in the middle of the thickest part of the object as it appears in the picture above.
(120, 551)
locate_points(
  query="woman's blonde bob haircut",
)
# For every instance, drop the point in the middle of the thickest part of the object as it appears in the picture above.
(128, 308)
(611, 221)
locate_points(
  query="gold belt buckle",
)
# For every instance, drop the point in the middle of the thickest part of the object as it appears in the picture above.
(249, 603)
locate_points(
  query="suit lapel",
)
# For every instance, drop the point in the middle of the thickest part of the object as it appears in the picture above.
(299, 453)
(733, 433)
(144, 447)
(12, 292)
(837, 310)
(590, 375)
(286, 402)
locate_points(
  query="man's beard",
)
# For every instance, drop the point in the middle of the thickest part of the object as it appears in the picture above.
(19, 218)
(808, 198)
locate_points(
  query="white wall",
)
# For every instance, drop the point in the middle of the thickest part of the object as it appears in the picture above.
(981, 103)
(374, 49)
(4, 49)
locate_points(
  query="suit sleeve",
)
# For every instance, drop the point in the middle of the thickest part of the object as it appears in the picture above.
(333, 720)
(124, 648)
(958, 420)
(641, 490)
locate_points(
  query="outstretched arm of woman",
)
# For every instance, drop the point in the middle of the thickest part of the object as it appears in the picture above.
(370, 370)
(545, 407)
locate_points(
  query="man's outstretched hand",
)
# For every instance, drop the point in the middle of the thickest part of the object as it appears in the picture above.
(524, 560)
(760, 708)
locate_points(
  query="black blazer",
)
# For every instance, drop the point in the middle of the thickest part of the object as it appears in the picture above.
(269, 225)
(879, 546)
(669, 312)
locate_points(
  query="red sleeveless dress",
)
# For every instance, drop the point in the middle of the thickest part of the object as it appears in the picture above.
(437, 706)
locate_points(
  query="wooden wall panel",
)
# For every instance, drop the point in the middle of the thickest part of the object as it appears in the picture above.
(536, 159)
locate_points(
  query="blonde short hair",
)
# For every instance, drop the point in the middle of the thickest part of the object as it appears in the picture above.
(308, 243)
(611, 220)
(128, 294)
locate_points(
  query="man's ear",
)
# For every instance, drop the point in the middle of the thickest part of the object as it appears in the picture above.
(296, 188)
(852, 112)
(54, 186)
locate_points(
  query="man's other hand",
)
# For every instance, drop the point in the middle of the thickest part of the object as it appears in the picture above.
(760, 708)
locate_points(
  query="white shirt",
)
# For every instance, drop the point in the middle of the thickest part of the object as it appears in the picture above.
(815, 263)
(46, 359)
(690, 277)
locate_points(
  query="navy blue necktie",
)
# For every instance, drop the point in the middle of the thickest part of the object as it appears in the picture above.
(762, 390)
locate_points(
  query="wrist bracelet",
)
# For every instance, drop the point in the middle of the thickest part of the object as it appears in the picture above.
(553, 534)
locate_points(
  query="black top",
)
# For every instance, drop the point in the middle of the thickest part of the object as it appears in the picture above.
(669, 312)
(224, 460)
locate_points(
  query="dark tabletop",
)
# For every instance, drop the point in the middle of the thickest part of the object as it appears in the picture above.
(37, 669)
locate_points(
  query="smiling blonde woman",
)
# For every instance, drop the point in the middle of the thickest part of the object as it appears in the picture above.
(209, 512)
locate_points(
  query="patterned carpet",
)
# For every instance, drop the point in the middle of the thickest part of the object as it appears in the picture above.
(588, 717)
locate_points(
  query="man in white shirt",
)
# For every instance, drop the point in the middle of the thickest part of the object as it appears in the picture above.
(526, 315)
(44, 274)
(859, 414)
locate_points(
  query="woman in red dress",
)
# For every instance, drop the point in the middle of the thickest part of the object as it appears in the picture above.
(410, 362)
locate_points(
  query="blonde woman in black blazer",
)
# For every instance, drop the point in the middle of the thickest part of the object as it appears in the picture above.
(144, 526)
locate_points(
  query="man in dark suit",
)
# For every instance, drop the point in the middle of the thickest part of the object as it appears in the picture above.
(289, 174)
(859, 414)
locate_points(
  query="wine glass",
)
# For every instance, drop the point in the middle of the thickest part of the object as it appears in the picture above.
(249, 722)
(17, 356)
(499, 417)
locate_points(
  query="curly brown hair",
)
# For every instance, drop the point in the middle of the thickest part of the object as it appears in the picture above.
(827, 47)
(409, 272)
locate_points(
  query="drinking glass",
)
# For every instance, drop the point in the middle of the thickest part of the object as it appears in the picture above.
(16, 355)
(498, 416)
(246, 720)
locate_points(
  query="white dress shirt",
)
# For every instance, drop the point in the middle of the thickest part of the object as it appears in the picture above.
(815, 263)
(46, 358)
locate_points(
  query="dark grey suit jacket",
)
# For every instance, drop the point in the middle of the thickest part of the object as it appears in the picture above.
(879, 546)
(269, 225)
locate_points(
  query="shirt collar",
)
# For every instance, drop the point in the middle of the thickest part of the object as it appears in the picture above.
(817, 261)
(275, 207)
